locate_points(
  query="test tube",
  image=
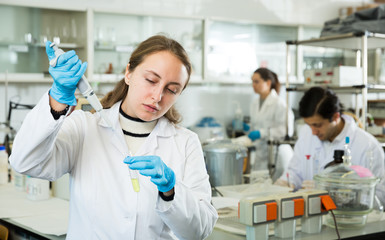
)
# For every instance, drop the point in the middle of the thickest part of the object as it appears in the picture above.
(134, 177)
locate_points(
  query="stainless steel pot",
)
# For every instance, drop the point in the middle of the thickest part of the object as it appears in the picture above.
(224, 162)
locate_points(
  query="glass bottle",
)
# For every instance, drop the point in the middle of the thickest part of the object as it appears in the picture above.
(338, 158)
(347, 153)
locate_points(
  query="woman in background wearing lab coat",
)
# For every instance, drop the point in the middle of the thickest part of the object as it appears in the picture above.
(268, 121)
(175, 193)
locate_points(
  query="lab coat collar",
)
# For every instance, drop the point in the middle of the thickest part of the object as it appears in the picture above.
(348, 128)
(164, 128)
(113, 115)
(269, 100)
(272, 95)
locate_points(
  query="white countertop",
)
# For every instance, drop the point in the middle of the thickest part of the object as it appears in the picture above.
(46, 216)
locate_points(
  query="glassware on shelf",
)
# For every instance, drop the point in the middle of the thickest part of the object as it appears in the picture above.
(111, 36)
(64, 33)
(99, 37)
(28, 38)
(73, 30)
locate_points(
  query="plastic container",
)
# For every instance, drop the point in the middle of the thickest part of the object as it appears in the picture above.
(352, 189)
(238, 119)
(3, 166)
(37, 189)
(18, 180)
(208, 128)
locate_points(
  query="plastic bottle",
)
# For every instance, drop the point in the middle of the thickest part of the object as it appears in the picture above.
(347, 153)
(3, 166)
(238, 121)
(338, 158)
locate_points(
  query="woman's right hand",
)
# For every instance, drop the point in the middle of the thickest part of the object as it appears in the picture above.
(66, 75)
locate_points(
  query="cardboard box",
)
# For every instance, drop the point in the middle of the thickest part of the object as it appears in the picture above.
(346, 11)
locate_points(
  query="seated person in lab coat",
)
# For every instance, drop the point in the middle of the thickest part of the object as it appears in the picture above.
(268, 121)
(174, 194)
(325, 131)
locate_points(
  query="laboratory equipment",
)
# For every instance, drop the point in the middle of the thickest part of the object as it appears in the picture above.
(238, 119)
(84, 87)
(207, 129)
(347, 153)
(11, 132)
(256, 214)
(352, 189)
(3, 165)
(224, 162)
(311, 222)
(291, 207)
(338, 158)
(134, 176)
(340, 76)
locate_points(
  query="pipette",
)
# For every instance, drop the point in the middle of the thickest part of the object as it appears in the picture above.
(84, 87)
(134, 177)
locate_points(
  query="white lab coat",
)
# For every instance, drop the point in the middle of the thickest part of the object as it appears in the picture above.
(103, 204)
(270, 120)
(311, 154)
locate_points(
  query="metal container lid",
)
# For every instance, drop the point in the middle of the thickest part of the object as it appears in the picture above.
(224, 146)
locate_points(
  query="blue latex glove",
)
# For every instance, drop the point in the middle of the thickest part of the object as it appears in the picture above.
(246, 127)
(66, 75)
(254, 135)
(152, 166)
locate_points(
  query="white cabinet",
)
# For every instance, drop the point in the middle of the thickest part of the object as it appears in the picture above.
(116, 35)
(221, 51)
(22, 34)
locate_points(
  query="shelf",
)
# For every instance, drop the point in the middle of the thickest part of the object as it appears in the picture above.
(116, 48)
(359, 41)
(42, 45)
(25, 78)
(357, 89)
(352, 41)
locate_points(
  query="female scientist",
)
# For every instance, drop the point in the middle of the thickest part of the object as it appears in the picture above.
(174, 196)
(268, 121)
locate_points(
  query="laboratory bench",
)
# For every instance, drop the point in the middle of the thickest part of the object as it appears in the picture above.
(231, 230)
(28, 219)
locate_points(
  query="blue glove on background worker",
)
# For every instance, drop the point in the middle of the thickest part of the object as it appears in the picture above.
(66, 75)
(152, 166)
(254, 135)
(246, 127)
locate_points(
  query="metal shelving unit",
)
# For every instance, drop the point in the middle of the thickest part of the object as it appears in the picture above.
(360, 42)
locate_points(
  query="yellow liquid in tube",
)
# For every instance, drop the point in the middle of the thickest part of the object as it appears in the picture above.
(135, 184)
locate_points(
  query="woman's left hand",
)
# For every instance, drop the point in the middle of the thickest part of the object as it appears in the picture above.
(153, 166)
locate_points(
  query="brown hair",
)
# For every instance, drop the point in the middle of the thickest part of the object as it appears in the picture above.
(150, 46)
(266, 74)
